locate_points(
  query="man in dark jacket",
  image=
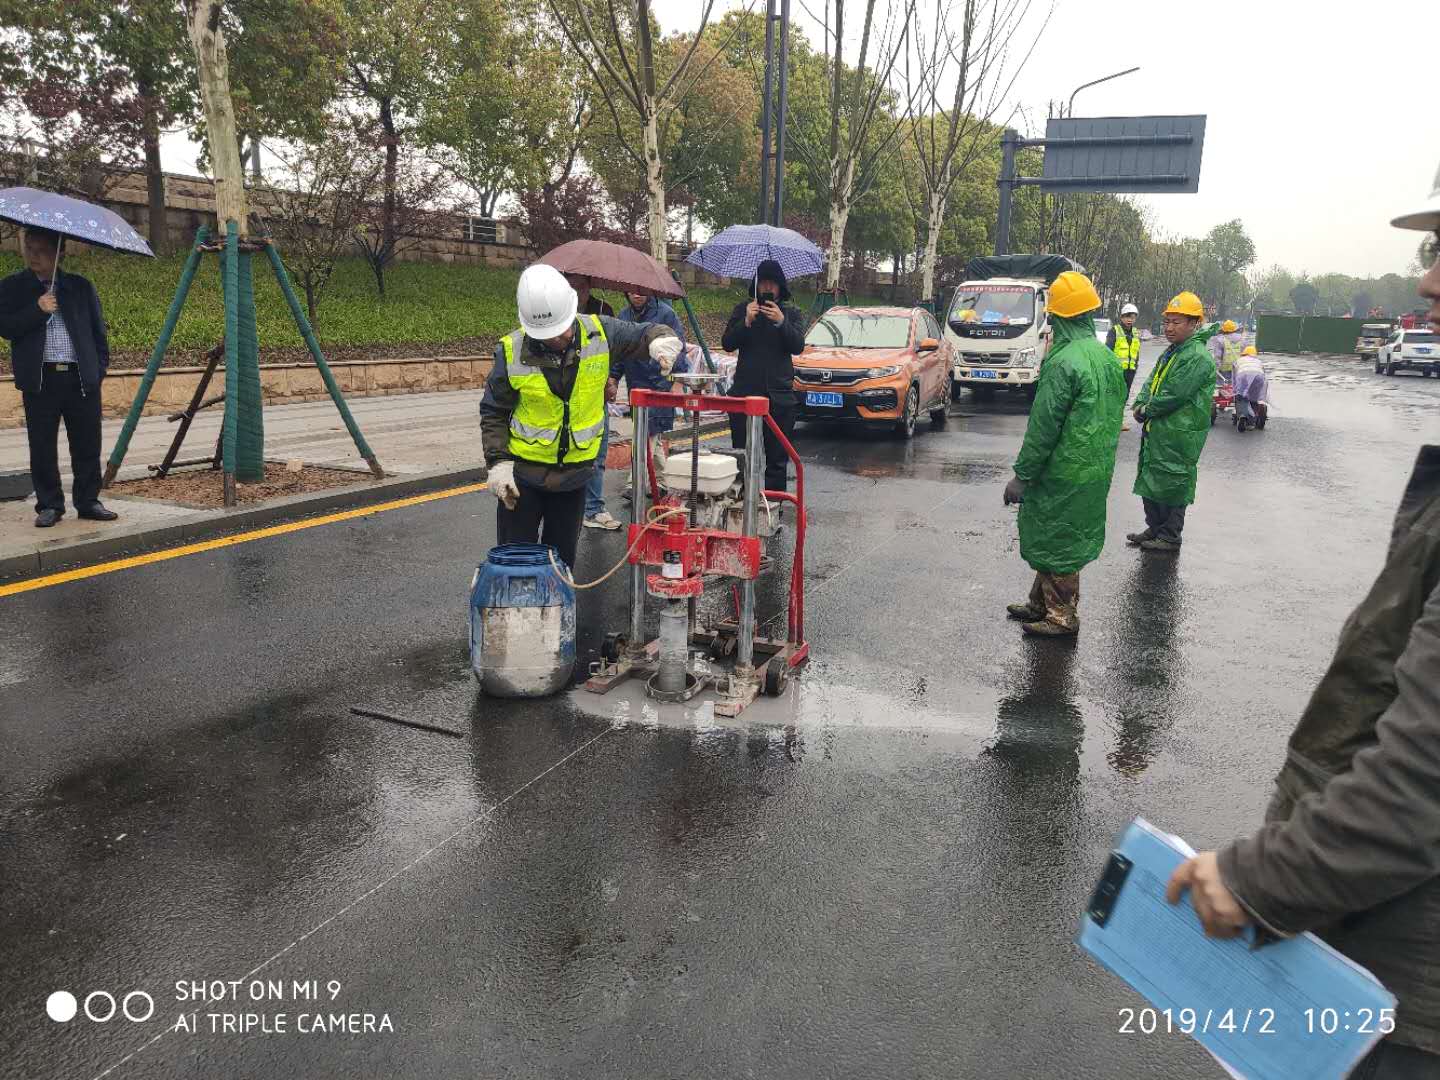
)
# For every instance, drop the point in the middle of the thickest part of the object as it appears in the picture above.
(59, 352)
(590, 304)
(766, 332)
(1351, 844)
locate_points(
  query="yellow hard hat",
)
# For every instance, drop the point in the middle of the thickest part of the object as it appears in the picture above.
(967, 315)
(1187, 303)
(1228, 326)
(1249, 350)
(1071, 295)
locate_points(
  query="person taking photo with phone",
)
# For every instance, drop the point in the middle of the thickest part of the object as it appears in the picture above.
(766, 333)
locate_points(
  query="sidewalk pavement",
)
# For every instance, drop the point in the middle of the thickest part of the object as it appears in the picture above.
(423, 441)
(419, 439)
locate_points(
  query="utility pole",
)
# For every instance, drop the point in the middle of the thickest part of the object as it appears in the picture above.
(765, 113)
(1008, 141)
(773, 107)
(782, 112)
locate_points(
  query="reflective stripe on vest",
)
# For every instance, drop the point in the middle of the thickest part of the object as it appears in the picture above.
(1158, 379)
(1127, 350)
(540, 416)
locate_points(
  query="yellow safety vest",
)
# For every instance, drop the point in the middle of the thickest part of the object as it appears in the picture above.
(541, 416)
(1127, 350)
(1158, 379)
(1230, 354)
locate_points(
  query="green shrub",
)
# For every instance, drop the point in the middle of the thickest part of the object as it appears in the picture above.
(425, 303)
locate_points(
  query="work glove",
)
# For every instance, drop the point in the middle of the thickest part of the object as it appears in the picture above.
(1014, 491)
(664, 352)
(502, 483)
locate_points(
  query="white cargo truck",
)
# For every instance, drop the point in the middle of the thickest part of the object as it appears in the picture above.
(997, 323)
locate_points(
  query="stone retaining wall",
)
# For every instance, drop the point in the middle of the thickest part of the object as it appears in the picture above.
(279, 383)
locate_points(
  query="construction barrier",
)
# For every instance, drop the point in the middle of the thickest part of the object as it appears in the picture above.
(1307, 333)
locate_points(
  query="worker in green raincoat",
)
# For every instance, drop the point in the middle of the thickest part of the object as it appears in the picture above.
(1174, 408)
(1062, 476)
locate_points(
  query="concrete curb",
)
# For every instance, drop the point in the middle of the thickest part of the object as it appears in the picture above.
(209, 524)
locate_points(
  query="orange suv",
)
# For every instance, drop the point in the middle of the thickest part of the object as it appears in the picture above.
(881, 366)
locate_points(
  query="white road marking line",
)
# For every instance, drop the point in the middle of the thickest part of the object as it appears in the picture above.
(483, 815)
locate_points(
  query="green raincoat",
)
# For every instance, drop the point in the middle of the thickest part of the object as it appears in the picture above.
(1176, 399)
(1068, 456)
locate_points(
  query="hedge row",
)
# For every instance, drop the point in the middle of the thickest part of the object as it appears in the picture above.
(425, 303)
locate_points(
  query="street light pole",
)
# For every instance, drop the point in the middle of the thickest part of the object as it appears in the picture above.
(1058, 216)
(1085, 86)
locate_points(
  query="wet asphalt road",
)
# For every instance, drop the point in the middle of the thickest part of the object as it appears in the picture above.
(879, 875)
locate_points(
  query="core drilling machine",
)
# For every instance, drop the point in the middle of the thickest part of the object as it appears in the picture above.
(699, 519)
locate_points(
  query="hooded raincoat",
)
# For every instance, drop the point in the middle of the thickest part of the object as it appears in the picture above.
(1068, 457)
(1176, 401)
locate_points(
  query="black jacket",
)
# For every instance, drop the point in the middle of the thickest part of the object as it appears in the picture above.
(765, 366)
(23, 323)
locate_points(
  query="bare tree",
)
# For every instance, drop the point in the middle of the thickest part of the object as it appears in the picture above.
(972, 42)
(628, 83)
(320, 202)
(412, 206)
(862, 129)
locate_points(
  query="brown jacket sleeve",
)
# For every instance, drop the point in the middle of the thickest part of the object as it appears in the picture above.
(1370, 834)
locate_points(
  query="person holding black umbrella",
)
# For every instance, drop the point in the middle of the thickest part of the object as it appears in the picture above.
(60, 353)
(766, 332)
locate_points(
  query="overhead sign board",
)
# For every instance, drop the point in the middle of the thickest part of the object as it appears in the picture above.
(1141, 154)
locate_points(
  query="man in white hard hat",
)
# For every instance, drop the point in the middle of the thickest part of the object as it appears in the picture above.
(1350, 848)
(542, 418)
(1124, 341)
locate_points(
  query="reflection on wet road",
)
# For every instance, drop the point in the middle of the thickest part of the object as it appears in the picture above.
(880, 873)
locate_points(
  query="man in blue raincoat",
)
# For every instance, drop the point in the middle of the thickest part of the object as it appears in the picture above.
(1062, 476)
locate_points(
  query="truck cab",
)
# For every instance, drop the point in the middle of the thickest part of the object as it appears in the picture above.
(997, 324)
(997, 328)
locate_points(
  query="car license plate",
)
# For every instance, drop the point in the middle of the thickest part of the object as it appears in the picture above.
(829, 400)
(981, 373)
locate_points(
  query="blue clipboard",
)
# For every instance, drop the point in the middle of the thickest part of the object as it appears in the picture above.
(1292, 1008)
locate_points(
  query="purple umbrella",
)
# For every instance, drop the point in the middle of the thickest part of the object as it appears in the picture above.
(70, 217)
(736, 252)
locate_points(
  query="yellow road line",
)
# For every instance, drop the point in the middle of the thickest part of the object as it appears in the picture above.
(228, 541)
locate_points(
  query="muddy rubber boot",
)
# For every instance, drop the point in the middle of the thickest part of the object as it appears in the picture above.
(1046, 628)
(1155, 544)
(1025, 612)
(1136, 539)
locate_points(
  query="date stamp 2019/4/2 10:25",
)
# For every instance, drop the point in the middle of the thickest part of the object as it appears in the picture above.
(1253, 1021)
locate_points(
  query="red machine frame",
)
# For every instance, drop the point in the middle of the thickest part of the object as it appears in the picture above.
(710, 551)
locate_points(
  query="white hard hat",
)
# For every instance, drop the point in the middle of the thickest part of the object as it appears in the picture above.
(1129, 309)
(1426, 217)
(546, 301)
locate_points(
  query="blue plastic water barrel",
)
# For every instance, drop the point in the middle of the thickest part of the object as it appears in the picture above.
(522, 623)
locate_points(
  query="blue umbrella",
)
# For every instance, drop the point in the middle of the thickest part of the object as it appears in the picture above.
(736, 252)
(74, 218)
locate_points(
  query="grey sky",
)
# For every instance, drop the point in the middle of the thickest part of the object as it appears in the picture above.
(1323, 124)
